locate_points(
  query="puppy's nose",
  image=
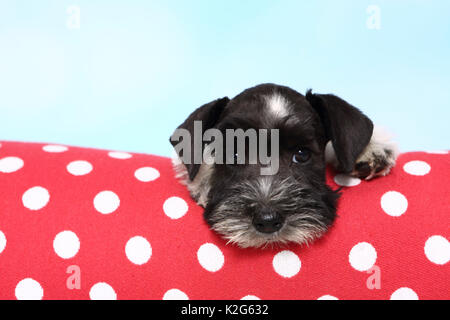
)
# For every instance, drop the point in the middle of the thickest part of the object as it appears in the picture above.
(267, 221)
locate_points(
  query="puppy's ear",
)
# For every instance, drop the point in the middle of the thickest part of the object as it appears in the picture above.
(348, 128)
(208, 114)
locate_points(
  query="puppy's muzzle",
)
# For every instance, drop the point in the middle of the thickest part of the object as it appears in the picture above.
(267, 220)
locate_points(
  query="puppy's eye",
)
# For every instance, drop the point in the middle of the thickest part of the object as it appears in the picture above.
(302, 155)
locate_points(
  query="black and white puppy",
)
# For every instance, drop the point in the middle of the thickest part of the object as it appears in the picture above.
(295, 204)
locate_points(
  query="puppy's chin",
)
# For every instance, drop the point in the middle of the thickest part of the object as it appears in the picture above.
(246, 236)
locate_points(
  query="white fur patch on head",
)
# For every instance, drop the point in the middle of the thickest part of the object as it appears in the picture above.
(277, 105)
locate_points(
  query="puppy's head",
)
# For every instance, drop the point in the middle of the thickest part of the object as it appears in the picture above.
(293, 202)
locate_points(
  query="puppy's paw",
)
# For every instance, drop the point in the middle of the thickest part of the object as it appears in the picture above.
(378, 158)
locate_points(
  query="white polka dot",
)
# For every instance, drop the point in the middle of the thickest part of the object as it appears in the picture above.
(250, 297)
(146, 174)
(66, 244)
(210, 257)
(346, 180)
(404, 294)
(106, 202)
(417, 168)
(175, 294)
(175, 207)
(2, 241)
(79, 167)
(438, 152)
(138, 250)
(35, 198)
(286, 263)
(102, 291)
(119, 155)
(327, 297)
(437, 250)
(394, 203)
(363, 256)
(29, 289)
(10, 164)
(54, 148)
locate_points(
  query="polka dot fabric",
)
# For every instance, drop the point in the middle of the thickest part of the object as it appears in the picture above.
(132, 232)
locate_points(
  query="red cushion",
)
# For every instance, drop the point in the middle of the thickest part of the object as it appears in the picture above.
(60, 230)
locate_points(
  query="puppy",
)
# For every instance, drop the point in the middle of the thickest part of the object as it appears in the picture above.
(294, 204)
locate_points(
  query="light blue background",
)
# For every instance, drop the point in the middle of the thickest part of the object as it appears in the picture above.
(134, 70)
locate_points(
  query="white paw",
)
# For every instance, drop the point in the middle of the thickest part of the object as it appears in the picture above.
(379, 156)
